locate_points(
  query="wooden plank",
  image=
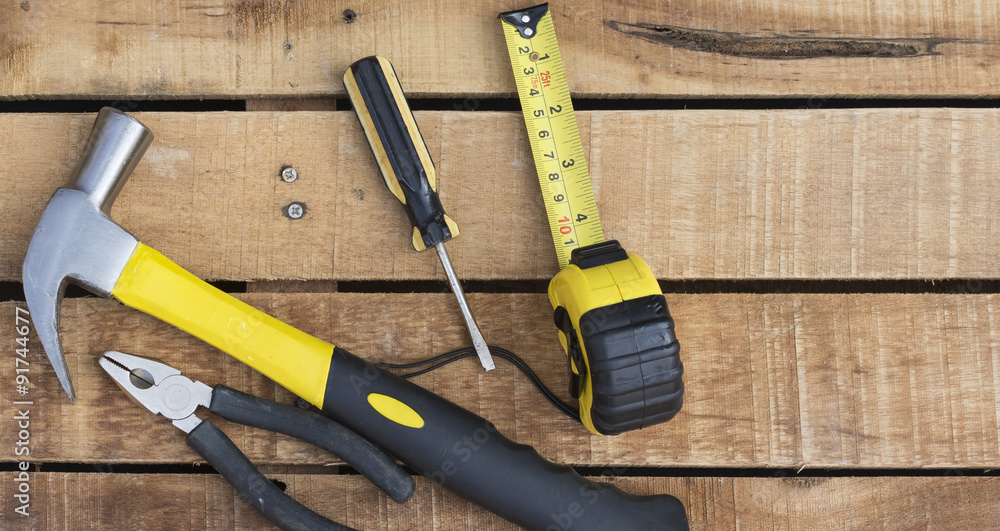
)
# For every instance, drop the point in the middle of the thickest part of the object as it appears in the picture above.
(699, 194)
(270, 48)
(202, 501)
(784, 380)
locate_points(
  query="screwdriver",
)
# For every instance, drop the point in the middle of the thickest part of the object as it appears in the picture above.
(407, 168)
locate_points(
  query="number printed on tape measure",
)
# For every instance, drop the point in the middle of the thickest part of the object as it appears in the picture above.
(554, 138)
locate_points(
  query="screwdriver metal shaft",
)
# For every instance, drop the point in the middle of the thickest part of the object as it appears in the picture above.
(482, 350)
(407, 169)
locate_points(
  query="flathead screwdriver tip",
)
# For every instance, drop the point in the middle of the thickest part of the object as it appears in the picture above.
(482, 349)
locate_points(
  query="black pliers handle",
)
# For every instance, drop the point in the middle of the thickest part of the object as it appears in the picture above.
(163, 390)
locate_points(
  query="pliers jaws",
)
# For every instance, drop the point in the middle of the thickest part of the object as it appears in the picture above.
(158, 387)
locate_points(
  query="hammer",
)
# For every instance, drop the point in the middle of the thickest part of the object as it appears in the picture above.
(76, 241)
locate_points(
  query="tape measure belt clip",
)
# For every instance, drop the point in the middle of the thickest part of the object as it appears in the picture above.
(572, 344)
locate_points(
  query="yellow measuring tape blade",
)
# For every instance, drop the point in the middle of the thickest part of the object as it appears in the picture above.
(552, 131)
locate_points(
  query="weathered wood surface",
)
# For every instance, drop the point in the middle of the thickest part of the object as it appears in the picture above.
(775, 382)
(272, 48)
(195, 502)
(811, 194)
(784, 380)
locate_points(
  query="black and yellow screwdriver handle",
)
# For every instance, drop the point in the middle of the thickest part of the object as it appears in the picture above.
(399, 148)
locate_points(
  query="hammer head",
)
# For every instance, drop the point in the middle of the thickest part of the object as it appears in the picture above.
(75, 240)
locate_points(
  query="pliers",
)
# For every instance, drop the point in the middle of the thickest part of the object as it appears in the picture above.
(162, 389)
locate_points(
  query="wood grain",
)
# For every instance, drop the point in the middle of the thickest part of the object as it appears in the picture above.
(782, 380)
(843, 385)
(699, 194)
(717, 48)
(203, 501)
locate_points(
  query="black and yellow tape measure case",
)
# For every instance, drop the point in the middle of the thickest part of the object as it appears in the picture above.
(612, 317)
(617, 331)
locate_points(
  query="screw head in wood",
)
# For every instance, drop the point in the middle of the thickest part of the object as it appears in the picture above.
(295, 210)
(288, 174)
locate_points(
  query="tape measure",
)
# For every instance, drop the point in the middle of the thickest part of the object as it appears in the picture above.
(552, 131)
(613, 320)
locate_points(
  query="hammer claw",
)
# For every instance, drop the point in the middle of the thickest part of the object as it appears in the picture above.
(75, 240)
(45, 315)
(43, 291)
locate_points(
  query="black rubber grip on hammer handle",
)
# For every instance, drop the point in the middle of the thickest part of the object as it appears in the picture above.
(466, 454)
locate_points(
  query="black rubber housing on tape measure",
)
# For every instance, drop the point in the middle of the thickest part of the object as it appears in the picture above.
(634, 362)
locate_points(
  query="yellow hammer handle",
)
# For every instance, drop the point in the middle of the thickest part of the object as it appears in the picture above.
(153, 284)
